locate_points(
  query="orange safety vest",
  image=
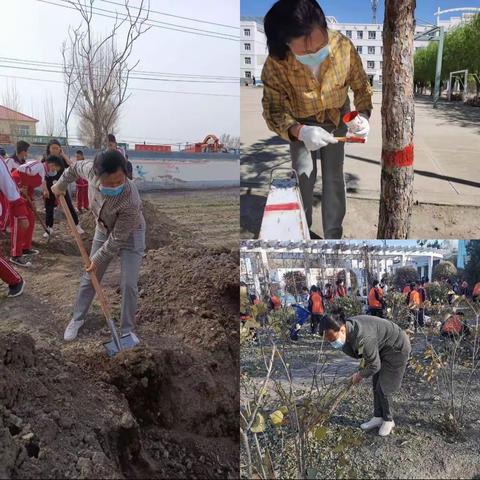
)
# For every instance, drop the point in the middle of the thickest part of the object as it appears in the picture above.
(422, 293)
(476, 289)
(341, 292)
(414, 298)
(372, 300)
(317, 303)
(276, 302)
(453, 325)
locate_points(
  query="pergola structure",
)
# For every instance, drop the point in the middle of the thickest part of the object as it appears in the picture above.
(264, 263)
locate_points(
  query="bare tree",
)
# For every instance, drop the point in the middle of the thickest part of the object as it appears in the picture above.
(96, 69)
(398, 116)
(11, 100)
(49, 116)
(229, 141)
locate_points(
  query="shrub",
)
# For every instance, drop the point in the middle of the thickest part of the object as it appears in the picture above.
(445, 270)
(397, 309)
(437, 292)
(404, 275)
(351, 305)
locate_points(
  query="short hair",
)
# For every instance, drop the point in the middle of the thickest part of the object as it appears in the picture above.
(412, 284)
(332, 322)
(339, 281)
(289, 19)
(51, 142)
(111, 138)
(56, 160)
(22, 146)
(79, 152)
(313, 288)
(109, 162)
(375, 283)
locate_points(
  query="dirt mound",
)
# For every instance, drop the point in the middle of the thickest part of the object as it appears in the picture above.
(147, 413)
(192, 292)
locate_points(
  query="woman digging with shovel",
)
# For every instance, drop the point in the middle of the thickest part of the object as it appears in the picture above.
(120, 230)
(384, 349)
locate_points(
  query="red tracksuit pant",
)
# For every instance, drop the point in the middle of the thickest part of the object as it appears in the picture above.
(21, 240)
(8, 274)
(82, 196)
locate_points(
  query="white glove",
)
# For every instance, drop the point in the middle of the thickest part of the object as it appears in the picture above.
(315, 137)
(359, 128)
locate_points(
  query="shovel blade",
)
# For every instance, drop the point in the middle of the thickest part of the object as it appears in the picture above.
(129, 340)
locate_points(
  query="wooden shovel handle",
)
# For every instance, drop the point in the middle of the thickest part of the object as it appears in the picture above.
(350, 139)
(86, 259)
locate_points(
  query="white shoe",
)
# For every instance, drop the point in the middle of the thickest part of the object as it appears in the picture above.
(373, 423)
(72, 330)
(386, 428)
(80, 230)
(46, 235)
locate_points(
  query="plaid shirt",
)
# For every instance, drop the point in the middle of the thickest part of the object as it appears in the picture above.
(116, 216)
(291, 91)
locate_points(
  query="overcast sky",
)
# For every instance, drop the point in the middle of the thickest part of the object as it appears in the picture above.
(34, 30)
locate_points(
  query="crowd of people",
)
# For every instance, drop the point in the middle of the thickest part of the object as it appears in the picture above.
(104, 186)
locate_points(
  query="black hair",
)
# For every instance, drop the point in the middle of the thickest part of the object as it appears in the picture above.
(79, 152)
(328, 285)
(313, 288)
(111, 138)
(22, 146)
(289, 19)
(56, 160)
(333, 322)
(339, 281)
(51, 142)
(109, 161)
(412, 285)
(375, 283)
(3, 152)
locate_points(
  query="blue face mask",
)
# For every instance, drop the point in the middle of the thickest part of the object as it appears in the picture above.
(337, 344)
(51, 174)
(112, 191)
(314, 59)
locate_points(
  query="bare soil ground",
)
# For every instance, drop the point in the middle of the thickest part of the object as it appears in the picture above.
(418, 448)
(166, 409)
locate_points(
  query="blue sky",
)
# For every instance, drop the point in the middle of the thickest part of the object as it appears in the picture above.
(360, 11)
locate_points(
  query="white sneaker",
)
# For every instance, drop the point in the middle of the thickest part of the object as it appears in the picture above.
(72, 330)
(386, 428)
(80, 230)
(46, 235)
(373, 423)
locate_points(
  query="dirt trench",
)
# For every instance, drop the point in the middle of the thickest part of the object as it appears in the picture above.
(166, 409)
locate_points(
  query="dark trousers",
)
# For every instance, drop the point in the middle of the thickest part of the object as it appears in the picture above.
(314, 322)
(420, 317)
(381, 402)
(50, 209)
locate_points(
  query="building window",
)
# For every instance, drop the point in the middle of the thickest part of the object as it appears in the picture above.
(372, 35)
(22, 130)
(381, 65)
(360, 34)
(359, 50)
(371, 50)
(246, 32)
(381, 50)
(248, 74)
(348, 33)
(370, 65)
(246, 46)
(248, 61)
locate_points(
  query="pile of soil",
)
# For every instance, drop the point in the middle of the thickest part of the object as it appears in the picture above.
(194, 294)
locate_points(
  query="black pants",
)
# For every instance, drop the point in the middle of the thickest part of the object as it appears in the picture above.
(376, 312)
(314, 322)
(420, 320)
(50, 208)
(381, 402)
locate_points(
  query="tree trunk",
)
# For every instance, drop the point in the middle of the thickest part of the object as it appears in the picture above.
(398, 116)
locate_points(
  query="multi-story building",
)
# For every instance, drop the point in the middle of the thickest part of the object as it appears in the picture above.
(367, 38)
(15, 124)
(253, 48)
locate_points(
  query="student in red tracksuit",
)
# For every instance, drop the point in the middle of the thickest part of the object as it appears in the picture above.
(82, 187)
(27, 176)
(340, 291)
(18, 210)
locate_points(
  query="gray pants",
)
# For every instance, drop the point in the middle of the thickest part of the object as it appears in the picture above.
(381, 402)
(333, 182)
(130, 259)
